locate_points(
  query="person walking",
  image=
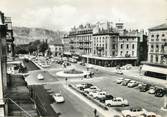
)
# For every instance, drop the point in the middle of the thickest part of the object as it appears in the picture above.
(95, 112)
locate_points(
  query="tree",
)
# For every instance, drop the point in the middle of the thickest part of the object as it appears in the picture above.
(43, 47)
(33, 46)
(21, 49)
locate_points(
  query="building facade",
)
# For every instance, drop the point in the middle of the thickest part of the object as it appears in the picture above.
(9, 38)
(107, 44)
(156, 64)
(80, 39)
(3, 63)
(56, 49)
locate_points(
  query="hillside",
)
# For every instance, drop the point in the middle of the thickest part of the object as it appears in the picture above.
(24, 35)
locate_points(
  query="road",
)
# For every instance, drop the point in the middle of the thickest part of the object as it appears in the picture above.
(74, 107)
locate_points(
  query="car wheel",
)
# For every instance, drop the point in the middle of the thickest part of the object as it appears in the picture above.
(109, 105)
(128, 116)
(123, 105)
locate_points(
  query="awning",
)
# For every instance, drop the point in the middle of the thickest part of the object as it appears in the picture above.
(154, 69)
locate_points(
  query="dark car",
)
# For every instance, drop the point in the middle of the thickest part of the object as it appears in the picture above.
(82, 63)
(160, 92)
(88, 85)
(145, 87)
(107, 97)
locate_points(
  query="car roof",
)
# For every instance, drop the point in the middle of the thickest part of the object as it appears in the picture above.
(57, 94)
(136, 108)
(126, 79)
(118, 98)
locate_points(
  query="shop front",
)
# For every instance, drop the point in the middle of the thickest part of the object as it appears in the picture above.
(108, 62)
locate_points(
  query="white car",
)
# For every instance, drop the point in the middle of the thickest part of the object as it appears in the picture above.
(118, 101)
(101, 94)
(93, 93)
(119, 72)
(132, 83)
(80, 86)
(149, 114)
(134, 112)
(91, 89)
(40, 77)
(119, 80)
(58, 98)
(98, 94)
(152, 90)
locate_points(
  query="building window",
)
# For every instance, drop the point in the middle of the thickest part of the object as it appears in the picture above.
(156, 58)
(157, 48)
(132, 53)
(127, 46)
(113, 53)
(151, 58)
(121, 53)
(133, 46)
(122, 46)
(152, 35)
(113, 46)
(163, 35)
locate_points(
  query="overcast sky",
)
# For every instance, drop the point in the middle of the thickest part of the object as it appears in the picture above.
(64, 14)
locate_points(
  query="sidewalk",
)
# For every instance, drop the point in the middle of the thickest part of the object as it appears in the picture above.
(134, 74)
(109, 113)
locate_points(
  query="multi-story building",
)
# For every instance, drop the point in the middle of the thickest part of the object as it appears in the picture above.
(9, 38)
(56, 48)
(80, 39)
(156, 64)
(104, 40)
(3, 59)
(108, 44)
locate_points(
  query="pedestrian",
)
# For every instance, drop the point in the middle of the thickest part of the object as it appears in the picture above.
(95, 112)
(66, 79)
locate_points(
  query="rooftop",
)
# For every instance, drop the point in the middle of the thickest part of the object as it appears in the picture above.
(159, 27)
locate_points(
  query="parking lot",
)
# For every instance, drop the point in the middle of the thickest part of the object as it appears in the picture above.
(134, 96)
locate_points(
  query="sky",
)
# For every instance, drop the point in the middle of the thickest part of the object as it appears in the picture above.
(64, 14)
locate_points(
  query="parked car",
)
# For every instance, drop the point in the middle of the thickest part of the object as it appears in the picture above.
(139, 85)
(160, 92)
(152, 90)
(107, 97)
(40, 76)
(125, 82)
(58, 98)
(84, 86)
(126, 67)
(93, 93)
(80, 86)
(119, 80)
(149, 114)
(132, 83)
(82, 63)
(133, 112)
(92, 88)
(145, 87)
(119, 72)
(100, 94)
(118, 101)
